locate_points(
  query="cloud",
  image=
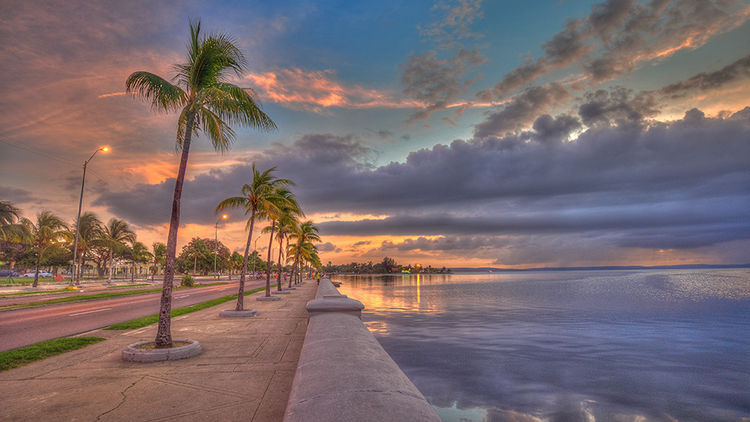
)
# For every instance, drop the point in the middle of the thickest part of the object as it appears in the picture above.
(435, 82)
(327, 247)
(455, 23)
(629, 185)
(521, 111)
(704, 81)
(318, 90)
(618, 106)
(620, 35)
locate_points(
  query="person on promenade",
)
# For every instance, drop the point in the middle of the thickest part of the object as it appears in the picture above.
(317, 277)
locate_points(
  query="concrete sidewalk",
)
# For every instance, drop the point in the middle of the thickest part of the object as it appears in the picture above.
(244, 373)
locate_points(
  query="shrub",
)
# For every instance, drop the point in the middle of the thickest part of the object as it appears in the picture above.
(187, 281)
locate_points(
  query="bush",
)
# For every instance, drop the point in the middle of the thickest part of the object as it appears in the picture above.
(187, 281)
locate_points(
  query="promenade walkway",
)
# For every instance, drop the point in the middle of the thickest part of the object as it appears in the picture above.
(244, 373)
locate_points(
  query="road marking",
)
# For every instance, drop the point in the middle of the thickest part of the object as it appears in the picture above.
(89, 312)
(180, 297)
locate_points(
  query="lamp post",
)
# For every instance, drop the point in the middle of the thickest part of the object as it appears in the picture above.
(216, 242)
(74, 276)
(255, 248)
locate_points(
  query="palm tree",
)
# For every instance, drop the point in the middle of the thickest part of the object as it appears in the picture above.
(90, 231)
(9, 215)
(138, 253)
(285, 225)
(305, 234)
(284, 203)
(207, 103)
(48, 230)
(256, 201)
(114, 236)
(159, 253)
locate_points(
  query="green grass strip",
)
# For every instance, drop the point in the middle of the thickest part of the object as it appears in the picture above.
(125, 286)
(33, 293)
(18, 357)
(154, 318)
(76, 299)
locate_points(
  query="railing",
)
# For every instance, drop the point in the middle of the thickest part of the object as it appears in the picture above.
(344, 374)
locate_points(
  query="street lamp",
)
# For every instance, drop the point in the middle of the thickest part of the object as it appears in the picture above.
(74, 276)
(216, 241)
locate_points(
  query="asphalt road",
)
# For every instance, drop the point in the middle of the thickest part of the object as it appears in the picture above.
(22, 327)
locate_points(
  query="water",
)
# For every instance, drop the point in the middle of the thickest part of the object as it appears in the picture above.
(651, 345)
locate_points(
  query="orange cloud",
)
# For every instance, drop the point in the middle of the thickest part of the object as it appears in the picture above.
(317, 90)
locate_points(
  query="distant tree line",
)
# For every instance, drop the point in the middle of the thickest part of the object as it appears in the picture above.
(387, 266)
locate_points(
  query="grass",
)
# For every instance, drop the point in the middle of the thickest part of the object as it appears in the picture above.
(129, 285)
(76, 299)
(33, 293)
(88, 297)
(18, 357)
(153, 318)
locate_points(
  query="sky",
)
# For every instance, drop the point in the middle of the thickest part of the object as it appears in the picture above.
(447, 133)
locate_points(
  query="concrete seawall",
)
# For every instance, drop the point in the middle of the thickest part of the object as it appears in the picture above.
(344, 374)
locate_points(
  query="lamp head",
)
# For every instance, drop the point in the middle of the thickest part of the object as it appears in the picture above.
(224, 216)
(104, 149)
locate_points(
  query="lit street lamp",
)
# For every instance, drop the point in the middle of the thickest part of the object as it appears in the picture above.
(216, 242)
(74, 276)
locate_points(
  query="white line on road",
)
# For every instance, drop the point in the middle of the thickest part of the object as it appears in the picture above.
(90, 312)
(180, 297)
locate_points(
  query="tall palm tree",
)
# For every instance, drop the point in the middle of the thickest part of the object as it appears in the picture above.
(256, 201)
(304, 235)
(285, 204)
(47, 231)
(284, 226)
(9, 215)
(207, 103)
(89, 232)
(114, 236)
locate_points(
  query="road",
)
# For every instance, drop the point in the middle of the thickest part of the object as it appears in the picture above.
(27, 326)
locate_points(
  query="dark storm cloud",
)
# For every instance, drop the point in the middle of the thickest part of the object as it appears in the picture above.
(710, 80)
(686, 181)
(443, 243)
(619, 35)
(521, 111)
(16, 195)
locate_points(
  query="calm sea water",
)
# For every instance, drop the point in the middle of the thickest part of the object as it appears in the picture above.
(653, 345)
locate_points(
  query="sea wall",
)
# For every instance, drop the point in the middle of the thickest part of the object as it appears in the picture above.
(344, 374)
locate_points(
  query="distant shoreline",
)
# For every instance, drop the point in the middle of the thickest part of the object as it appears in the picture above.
(602, 268)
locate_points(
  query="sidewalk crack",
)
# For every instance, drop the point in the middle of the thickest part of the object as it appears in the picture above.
(124, 397)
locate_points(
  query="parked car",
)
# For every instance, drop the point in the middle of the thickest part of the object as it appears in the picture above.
(41, 274)
(8, 273)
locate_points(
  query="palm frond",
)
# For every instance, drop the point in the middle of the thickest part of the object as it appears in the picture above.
(163, 95)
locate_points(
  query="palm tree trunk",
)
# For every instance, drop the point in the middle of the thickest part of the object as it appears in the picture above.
(268, 272)
(36, 272)
(296, 267)
(241, 293)
(111, 259)
(278, 277)
(164, 333)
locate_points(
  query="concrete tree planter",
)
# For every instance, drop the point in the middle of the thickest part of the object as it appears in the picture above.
(232, 313)
(133, 353)
(267, 298)
(283, 292)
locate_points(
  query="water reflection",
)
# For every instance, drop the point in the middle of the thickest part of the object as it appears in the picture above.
(591, 345)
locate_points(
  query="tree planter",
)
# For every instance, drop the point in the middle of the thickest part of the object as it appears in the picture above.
(232, 313)
(283, 292)
(267, 298)
(134, 352)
